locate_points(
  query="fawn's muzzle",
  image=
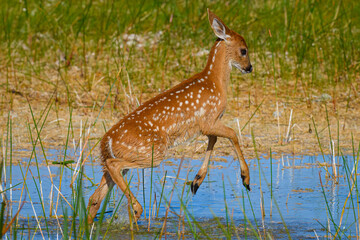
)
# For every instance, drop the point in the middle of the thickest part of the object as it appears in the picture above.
(249, 69)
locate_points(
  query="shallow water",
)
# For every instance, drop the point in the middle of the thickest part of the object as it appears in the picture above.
(295, 182)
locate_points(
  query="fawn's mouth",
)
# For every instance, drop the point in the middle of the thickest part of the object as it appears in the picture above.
(243, 71)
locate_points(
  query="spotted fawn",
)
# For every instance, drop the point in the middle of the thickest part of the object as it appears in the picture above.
(193, 107)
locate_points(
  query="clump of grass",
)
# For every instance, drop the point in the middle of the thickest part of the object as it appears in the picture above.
(350, 204)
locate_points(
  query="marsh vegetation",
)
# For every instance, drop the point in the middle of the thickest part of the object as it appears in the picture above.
(70, 69)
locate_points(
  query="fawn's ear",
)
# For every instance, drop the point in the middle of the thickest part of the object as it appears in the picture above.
(218, 26)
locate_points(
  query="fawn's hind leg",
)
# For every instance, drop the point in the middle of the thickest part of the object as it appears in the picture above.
(199, 178)
(114, 167)
(106, 184)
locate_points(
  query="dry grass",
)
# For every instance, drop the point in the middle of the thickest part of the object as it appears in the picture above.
(343, 115)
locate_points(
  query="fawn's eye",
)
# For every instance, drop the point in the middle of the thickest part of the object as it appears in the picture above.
(243, 52)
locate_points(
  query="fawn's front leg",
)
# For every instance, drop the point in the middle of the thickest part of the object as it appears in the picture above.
(220, 130)
(199, 178)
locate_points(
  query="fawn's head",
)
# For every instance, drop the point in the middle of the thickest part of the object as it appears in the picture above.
(236, 45)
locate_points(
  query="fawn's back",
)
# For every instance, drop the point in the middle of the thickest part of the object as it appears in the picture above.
(166, 120)
(180, 113)
(193, 107)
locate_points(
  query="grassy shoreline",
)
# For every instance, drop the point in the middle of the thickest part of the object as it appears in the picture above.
(243, 111)
(94, 55)
(70, 69)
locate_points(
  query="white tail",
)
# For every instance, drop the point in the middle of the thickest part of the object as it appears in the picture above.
(193, 107)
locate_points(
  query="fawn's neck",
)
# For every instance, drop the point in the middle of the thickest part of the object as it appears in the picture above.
(218, 66)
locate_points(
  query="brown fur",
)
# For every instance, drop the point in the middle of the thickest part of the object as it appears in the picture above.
(193, 107)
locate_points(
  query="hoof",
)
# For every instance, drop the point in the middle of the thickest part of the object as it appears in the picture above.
(194, 187)
(137, 211)
(247, 186)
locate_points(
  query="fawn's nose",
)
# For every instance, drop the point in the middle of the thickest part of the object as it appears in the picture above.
(249, 69)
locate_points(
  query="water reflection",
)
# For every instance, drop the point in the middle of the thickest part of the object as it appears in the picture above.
(296, 189)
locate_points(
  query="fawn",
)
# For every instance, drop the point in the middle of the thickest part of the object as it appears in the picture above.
(193, 107)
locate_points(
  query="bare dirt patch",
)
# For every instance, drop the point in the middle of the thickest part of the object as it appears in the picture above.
(266, 116)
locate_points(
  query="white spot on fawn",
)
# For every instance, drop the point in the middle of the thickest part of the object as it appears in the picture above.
(110, 148)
